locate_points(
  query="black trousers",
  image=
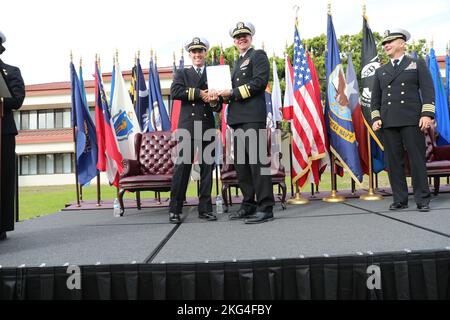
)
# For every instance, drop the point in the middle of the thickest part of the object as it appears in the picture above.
(253, 181)
(411, 138)
(8, 181)
(180, 180)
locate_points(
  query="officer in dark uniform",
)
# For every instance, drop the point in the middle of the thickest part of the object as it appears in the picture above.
(403, 107)
(190, 86)
(8, 178)
(247, 111)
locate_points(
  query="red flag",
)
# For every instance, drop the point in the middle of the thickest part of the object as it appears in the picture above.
(110, 159)
(357, 116)
(318, 166)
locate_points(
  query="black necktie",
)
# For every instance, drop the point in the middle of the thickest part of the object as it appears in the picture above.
(396, 61)
(199, 72)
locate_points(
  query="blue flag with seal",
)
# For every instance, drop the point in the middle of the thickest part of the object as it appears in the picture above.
(159, 118)
(86, 140)
(343, 143)
(442, 114)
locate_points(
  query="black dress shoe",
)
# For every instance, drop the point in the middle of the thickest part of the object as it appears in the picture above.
(423, 207)
(209, 216)
(260, 217)
(3, 236)
(174, 218)
(241, 214)
(398, 206)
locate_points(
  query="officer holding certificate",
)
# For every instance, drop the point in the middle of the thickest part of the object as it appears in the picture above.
(247, 114)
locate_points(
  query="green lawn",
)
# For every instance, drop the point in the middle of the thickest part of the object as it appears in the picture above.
(44, 200)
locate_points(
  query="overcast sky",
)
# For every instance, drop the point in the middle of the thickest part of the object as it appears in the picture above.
(40, 34)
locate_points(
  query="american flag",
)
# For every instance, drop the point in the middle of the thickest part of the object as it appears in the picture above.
(308, 143)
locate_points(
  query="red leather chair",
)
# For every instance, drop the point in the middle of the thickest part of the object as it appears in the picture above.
(153, 168)
(438, 159)
(228, 177)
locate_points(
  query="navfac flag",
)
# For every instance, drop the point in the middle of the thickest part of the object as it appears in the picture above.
(123, 116)
(442, 115)
(352, 93)
(369, 63)
(341, 132)
(109, 157)
(86, 142)
(142, 98)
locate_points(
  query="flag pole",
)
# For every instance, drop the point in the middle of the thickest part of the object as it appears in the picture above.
(298, 199)
(99, 198)
(290, 141)
(333, 197)
(75, 142)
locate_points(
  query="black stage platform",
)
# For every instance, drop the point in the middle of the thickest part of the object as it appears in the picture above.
(353, 233)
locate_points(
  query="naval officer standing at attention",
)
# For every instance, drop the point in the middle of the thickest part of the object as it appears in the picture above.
(247, 111)
(403, 107)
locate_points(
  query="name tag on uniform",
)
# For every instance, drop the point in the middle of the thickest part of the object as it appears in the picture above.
(412, 66)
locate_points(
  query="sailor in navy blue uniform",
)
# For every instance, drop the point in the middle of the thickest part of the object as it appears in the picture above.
(403, 107)
(190, 86)
(247, 111)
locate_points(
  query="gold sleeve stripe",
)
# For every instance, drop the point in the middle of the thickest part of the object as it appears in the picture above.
(375, 114)
(243, 90)
(191, 94)
(428, 108)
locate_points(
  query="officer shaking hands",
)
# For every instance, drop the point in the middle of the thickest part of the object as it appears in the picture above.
(403, 107)
(9, 131)
(247, 113)
(190, 86)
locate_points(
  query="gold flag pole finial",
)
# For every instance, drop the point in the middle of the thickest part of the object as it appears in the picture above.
(117, 56)
(156, 59)
(71, 56)
(174, 58)
(364, 10)
(263, 46)
(329, 8)
(432, 42)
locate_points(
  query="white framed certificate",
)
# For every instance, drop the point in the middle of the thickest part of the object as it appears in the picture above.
(219, 77)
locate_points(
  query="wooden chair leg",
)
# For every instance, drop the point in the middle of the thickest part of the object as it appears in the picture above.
(229, 196)
(120, 196)
(138, 199)
(437, 182)
(283, 197)
(224, 196)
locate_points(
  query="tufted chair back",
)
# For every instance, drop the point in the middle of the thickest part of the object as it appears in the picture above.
(153, 151)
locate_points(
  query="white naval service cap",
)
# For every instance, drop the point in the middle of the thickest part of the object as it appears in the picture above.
(396, 33)
(197, 43)
(242, 28)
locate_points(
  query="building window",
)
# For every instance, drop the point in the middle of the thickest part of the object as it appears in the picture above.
(67, 118)
(58, 119)
(25, 120)
(33, 120)
(42, 119)
(17, 119)
(59, 163)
